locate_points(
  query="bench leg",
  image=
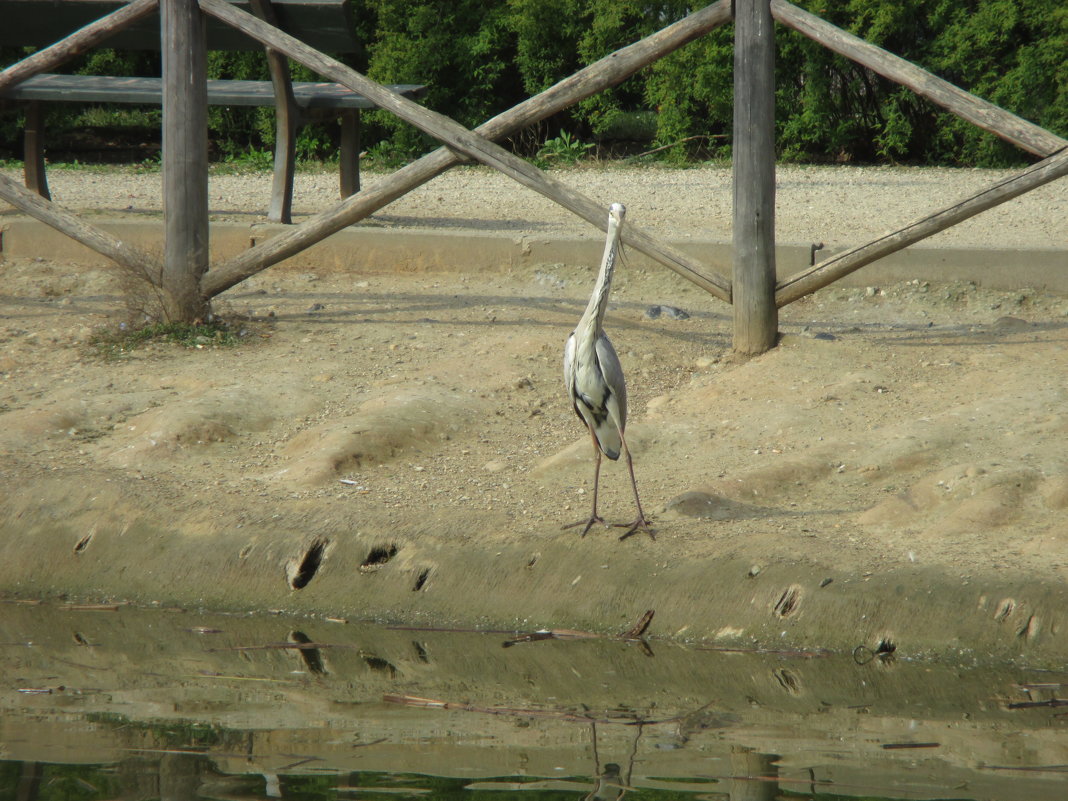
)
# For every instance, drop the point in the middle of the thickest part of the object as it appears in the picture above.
(285, 124)
(285, 163)
(350, 152)
(33, 164)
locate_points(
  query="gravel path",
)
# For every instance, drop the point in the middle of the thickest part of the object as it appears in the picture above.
(836, 205)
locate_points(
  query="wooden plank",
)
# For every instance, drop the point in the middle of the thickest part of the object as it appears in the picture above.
(980, 112)
(457, 137)
(185, 160)
(753, 162)
(149, 91)
(82, 40)
(92, 237)
(835, 267)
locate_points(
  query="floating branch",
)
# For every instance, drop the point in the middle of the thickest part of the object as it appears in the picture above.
(635, 632)
(553, 714)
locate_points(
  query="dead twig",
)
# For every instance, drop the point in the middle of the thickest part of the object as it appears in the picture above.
(1052, 702)
(800, 653)
(525, 712)
(634, 633)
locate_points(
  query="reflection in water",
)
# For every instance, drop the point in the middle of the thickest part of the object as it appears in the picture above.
(754, 776)
(177, 706)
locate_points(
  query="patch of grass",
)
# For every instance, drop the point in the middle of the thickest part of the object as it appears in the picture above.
(562, 150)
(114, 343)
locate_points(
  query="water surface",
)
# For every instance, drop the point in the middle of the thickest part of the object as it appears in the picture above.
(115, 702)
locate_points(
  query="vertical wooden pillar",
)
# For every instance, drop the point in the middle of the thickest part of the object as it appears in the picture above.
(350, 151)
(286, 116)
(33, 160)
(185, 159)
(756, 318)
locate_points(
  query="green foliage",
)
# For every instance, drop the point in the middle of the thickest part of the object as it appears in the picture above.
(564, 149)
(461, 50)
(480, 57)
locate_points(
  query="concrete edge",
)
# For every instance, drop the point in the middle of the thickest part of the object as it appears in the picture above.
(370, 249)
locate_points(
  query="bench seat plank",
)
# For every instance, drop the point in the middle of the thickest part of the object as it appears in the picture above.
(149, 91)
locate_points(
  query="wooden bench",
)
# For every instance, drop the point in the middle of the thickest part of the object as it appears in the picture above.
(324, 24)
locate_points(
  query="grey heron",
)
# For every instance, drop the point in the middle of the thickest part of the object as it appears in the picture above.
(594, 380)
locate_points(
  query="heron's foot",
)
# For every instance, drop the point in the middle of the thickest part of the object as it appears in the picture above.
(586, 524)
(640, 524)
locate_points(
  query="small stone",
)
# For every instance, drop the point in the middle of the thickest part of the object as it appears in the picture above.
(673, 312)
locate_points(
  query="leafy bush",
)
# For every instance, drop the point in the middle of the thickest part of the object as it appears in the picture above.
(480, 57)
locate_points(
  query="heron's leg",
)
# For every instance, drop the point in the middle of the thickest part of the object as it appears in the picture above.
(640, 522)
(594, 517)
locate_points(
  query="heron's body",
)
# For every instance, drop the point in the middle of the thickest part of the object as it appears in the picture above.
(594, 376)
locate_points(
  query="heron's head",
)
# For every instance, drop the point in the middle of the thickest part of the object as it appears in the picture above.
(616, 212)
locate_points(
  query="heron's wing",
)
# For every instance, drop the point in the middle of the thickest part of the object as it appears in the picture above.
(612, 371)
(569, 361)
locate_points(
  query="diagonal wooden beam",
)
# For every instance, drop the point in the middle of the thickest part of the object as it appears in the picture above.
(830, 270)
(77, 43)
(97, 239)
(975, 110)
(467, 143)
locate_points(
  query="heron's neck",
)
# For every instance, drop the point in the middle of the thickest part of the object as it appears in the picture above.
(593, 317)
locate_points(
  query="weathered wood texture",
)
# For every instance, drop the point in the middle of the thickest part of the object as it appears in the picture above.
(34, 165)
(149, 91)
(835, 267)
(756, 317)
(89, 235)
(350, 152)
(285, 125)
(980, 112)
(607, 72)
(185, 159)
(82, 40)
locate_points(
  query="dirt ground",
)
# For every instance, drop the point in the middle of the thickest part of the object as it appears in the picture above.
(909, 424)
(391, 430)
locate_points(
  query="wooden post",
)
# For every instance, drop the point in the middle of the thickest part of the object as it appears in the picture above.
(33, 160)
(285, 125)
(185, 159)
(756, 318)
(350, 151)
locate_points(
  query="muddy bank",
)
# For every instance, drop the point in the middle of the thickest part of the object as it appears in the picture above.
(397, 447)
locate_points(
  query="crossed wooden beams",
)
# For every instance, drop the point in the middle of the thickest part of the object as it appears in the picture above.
(462, 144)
